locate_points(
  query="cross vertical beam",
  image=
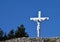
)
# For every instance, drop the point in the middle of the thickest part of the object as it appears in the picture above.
(38, 29)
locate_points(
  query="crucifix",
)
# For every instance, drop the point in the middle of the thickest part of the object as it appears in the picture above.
(38, 20)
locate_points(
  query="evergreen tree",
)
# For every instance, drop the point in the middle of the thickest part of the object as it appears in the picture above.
(1, 34)
(5, 37)
(21, 32)
(11, 34)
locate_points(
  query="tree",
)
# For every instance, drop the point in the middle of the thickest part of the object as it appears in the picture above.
(21, 32)
(11, 34)
(1, 34)
(5, 37)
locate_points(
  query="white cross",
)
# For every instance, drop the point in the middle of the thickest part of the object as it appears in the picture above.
(38, 20)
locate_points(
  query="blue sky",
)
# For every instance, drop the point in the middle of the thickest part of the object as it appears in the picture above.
(16, 12)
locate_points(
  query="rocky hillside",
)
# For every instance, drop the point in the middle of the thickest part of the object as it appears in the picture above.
(25, 39)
